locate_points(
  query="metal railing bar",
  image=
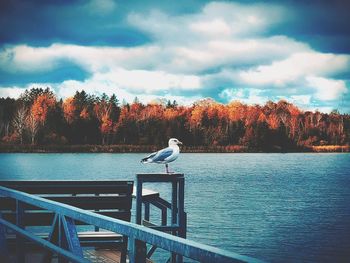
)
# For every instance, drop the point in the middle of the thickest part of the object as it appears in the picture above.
(42, 242)
(185, 247)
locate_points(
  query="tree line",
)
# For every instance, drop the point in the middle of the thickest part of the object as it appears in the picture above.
(38, 117)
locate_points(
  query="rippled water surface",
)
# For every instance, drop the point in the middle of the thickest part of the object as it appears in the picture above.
(276, 207)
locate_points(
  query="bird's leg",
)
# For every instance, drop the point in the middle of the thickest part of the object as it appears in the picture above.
(167, 169)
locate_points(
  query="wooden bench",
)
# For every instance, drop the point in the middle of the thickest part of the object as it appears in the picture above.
(110, 198)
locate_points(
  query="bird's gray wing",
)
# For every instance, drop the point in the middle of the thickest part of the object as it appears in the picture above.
(163, 154)
(149, 157)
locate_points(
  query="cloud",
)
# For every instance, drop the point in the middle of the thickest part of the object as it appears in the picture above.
(215, 20)
(303, 100)
(149, 81)
(221, 35)
(295, 67)
(23, 58)
(225, 50)
(12, 92)
(248, 96)
(327, 89)
(98, 85)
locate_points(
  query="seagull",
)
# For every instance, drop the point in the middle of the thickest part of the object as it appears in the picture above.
(165, 155)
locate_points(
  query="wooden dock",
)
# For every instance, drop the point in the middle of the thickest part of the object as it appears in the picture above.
(62, 207)
(95, 256)
(92, 255)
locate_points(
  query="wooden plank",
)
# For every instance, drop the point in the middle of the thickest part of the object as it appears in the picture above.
(63, 189)
(70, 187)
(43, 218)
(65, 182)
(113, 256)
(84, 202)
(83, 235)
(146, 193)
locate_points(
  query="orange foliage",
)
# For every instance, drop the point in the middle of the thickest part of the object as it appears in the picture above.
(106, 125)
(103, 113)
(273, 121)
(235, 110)
(84, 114)
(170, 114)
(41, 106)
(196, 116)
(69, 109)
(123, 114)
(262, 117)
(294, 120)
(152, 111)
(135, 110)
(252, 115)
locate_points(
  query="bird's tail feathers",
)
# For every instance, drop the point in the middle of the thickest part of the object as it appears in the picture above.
(148, 159)
(145, 160)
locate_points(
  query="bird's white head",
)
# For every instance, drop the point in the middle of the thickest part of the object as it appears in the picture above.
(174, 141)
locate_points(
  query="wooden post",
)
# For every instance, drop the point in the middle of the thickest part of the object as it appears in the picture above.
(53, 238)
(164, 216)
(139, 201)
(3, 243)
(174, 213)
(19, 239)
(138, 251)
(181, 213)
(147, 210)
(178, 217)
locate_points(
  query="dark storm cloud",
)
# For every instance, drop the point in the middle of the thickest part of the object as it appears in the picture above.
(322, 24)
(41, 23)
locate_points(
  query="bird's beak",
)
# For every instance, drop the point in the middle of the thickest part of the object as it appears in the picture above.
(179, 142)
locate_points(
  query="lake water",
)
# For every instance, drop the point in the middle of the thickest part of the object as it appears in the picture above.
(275, 207)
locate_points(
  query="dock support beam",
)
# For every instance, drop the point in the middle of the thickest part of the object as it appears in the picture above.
(3, 243)
(178, 224)
(138, 251)
(20, 249)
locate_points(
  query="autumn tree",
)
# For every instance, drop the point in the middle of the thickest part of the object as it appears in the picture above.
(69, 109)
(19, 122)
(107, 112)
(41, 106)
(32, 125)
(88, 119)
(29, 96)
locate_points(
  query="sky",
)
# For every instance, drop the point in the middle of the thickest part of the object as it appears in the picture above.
(182, 50)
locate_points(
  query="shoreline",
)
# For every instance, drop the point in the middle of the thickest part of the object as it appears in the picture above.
(10, 148)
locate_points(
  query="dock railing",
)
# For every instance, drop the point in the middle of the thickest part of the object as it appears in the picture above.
(69, 246)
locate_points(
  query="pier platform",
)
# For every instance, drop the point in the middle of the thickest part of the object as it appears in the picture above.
(89, 221)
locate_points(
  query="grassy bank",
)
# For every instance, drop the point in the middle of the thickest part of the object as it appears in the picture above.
(10, 148)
